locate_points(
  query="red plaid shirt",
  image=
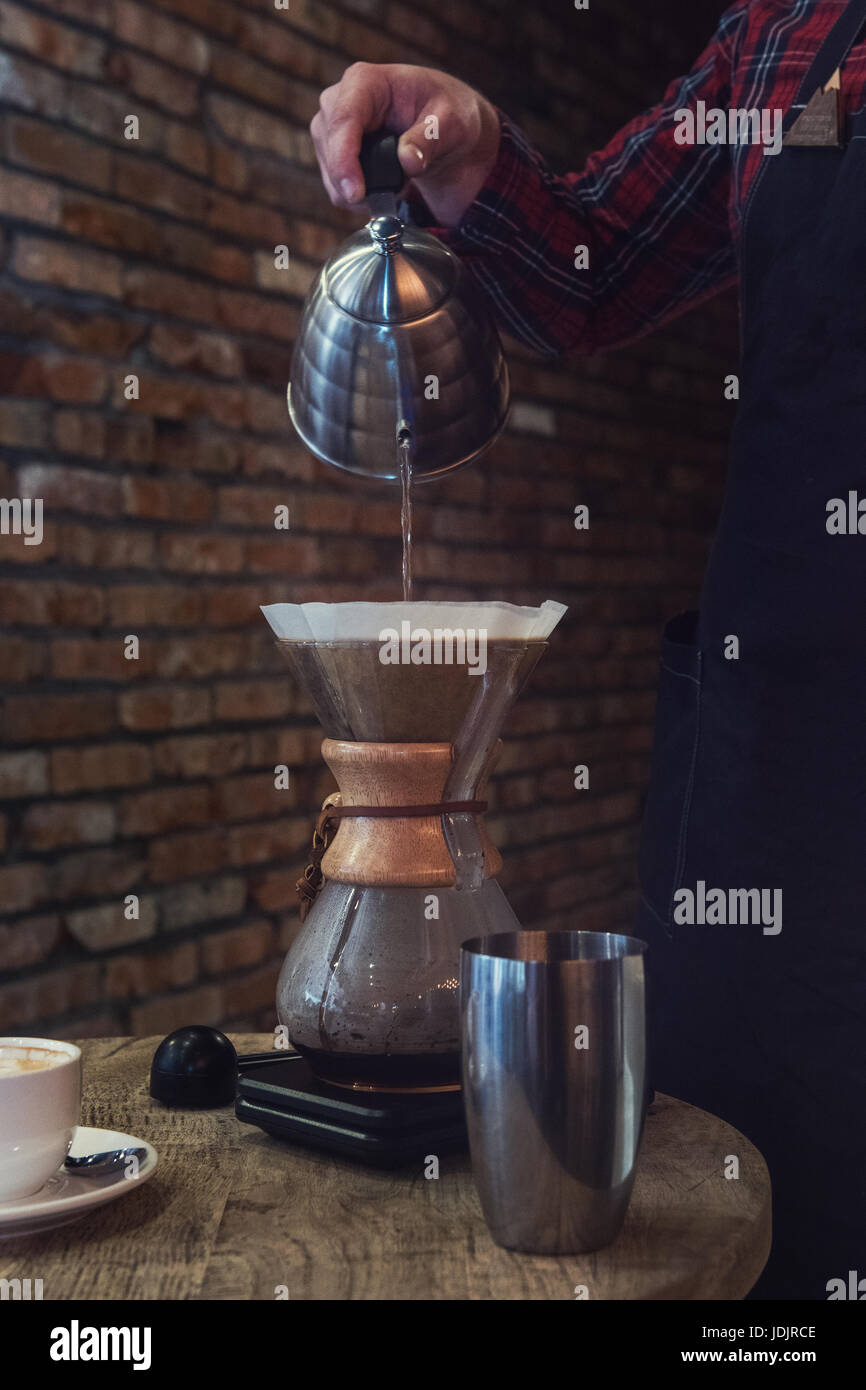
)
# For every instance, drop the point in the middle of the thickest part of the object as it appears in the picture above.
(661, 220)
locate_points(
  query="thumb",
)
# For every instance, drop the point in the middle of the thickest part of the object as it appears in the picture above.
(419, 148)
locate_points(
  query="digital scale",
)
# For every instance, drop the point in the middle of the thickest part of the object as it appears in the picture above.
(280, 1094)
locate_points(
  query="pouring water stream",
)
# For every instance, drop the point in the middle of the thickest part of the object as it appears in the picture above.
(404, 464)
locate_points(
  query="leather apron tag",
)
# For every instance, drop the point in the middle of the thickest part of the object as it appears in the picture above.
(819, 125)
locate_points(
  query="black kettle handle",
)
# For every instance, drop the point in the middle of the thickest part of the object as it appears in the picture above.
(379, 163)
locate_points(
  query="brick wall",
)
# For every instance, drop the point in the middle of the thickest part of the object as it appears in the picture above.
(154, 257)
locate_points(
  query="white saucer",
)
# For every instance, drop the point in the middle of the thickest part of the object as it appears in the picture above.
(68, 1196)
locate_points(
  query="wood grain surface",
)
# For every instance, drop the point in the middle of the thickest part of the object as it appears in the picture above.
(234, 1214)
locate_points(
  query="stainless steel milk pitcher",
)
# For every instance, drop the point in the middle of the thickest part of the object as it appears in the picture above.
(395, 338)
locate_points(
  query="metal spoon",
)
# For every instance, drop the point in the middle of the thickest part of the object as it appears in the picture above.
(96, 1165)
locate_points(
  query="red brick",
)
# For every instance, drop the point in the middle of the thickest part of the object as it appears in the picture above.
(163, 292)
(250, 126)
(80, 432)
(227, 405)
(176, 43)
(107, 872)
(23, 424)
(74, 379)
(297, 101)
(22, 886)
(168, 808)
(251, 797)
(131, 440)
(32, 87)
(28, 941)
(71, 267)
(105, 1023)
(30, 199)
(52, 824)
(23, 774)
(216, 654)
(187, 146)
(105, 548)
(253, 700)
(135, 976)
(256, 990)
(253, 313)
(229, 951)
(53, 43)
(201, 554)
(232, 264)
(288, 554)
(163, 397)
(87, 659)
(203, 755)
(192, 903)
(196, 450)
(409, 24)
(229, 168)
(251, 506)
(21, 374)
(162, 1015)
(282, 841)
(141, 180)
(174, 707)
(294, 747)
(185, 856)
(274, 892)
(57, 150)
(34, 718)
(283, 459)
(101, 111)
(71, 489)
(99, 766)
(25, 601)
(233, 605)
(195, 350)
(113, 224)
(48, 994)
(154, 605)
(23, 660)
(167, 501)
(105, 335)
(107, 927)
(153, 82)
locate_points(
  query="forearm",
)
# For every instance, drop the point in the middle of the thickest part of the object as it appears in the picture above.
(575, 264)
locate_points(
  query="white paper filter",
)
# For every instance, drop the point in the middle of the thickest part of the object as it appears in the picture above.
(363, 622)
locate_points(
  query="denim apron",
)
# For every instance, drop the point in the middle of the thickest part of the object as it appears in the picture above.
(759, 761)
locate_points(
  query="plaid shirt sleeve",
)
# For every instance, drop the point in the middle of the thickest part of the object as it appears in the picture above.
(653, 215)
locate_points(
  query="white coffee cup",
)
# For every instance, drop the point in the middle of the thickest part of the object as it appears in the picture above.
(40, 1104)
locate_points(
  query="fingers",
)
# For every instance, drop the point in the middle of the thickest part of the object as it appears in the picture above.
(318, 131)
(445, 133)
(359, 102)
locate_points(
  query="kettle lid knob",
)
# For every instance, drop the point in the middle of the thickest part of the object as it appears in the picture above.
(387, 234)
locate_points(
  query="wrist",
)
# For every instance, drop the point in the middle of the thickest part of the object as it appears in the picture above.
(449, 192)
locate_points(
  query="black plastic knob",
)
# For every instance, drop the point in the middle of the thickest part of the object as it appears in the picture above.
(195, 1067)
(383, 172)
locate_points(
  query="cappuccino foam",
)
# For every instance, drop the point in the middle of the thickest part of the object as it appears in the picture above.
(17, 1060)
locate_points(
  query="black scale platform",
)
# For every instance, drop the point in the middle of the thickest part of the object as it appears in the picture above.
(281, 1095)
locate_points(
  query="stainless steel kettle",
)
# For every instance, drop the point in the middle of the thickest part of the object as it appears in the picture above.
(395, 346)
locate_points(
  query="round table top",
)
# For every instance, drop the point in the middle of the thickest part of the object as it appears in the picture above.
(232, 1213)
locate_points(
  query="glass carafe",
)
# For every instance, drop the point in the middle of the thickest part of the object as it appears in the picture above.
(368, 990)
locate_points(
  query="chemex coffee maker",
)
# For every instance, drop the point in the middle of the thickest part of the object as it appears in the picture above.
(394, 350)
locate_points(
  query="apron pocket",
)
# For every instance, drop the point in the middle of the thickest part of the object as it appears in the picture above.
(675, 746)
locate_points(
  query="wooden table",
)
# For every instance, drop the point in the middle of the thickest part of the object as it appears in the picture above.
(232, 1214)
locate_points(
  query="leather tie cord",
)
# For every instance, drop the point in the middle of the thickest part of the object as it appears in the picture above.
(332, 812)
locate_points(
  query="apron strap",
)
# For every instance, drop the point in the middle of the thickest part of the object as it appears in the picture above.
(831, 55)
